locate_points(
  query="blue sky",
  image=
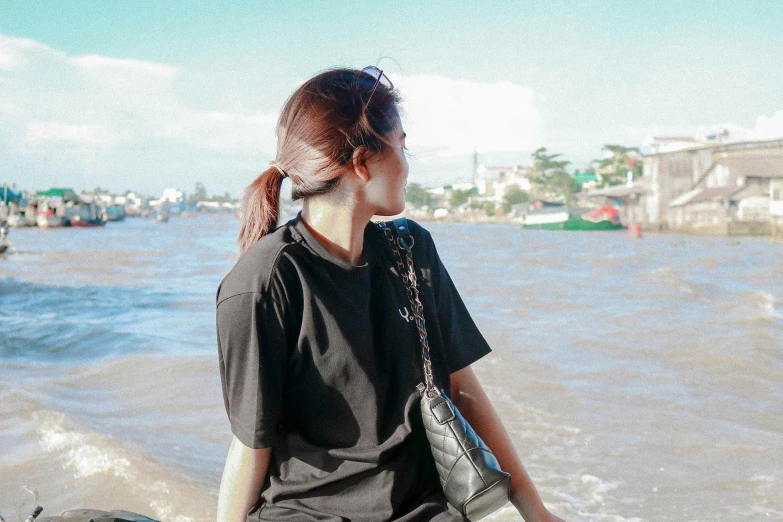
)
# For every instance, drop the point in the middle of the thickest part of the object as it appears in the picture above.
(144, 95)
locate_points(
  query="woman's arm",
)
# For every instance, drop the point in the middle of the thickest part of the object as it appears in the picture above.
(469, 398)
(243, 477)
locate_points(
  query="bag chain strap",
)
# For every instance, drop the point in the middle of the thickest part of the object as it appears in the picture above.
(412, 289)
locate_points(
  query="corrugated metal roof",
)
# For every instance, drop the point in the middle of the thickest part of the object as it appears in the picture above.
(715, 194)
(701, 195)
(725, 147)
(761, 167)
(66, 193)
(685, 198)
(751, 146)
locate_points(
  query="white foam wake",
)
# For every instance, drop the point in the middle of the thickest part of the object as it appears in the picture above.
(769, 306)
(90, 454)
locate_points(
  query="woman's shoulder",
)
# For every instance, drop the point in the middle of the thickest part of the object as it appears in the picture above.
(259, 268)
(422, 239)
(416, 230)
(424, 252)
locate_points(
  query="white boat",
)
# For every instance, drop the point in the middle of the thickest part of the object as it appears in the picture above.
(535, 219)
(4, 243)
(47, 219)
(17, 221)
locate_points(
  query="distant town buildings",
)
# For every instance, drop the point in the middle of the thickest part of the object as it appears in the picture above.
(703, 187)
(62, 206)
(492, 181)
(675, 183)
(735, 189)
(170, 196)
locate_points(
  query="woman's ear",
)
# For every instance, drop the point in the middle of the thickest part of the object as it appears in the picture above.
(359, 163)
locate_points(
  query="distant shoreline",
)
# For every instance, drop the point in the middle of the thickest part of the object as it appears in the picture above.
(462, 218)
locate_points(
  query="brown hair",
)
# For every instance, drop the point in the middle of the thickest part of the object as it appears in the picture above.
(322, 124)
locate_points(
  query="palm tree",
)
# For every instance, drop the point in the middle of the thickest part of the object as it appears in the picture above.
(618, 160)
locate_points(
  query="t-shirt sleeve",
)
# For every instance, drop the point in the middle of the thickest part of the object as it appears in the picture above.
(252, 353)
(463, 342)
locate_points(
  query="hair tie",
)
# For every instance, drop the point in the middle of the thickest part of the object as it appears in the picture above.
(281, 171)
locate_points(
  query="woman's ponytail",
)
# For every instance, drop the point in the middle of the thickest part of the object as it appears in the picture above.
(260, 207)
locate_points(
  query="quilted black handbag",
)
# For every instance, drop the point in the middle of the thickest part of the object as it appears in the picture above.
(94, 515)
(469, 473)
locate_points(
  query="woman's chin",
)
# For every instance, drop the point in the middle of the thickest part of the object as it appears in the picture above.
(391, 210)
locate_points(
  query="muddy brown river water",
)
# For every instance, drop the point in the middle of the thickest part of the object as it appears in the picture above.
(640, 380)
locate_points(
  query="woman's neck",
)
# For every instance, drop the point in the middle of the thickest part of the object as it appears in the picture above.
(338, 226)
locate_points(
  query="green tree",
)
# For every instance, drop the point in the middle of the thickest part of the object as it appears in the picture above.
(546, 165)
(417, 196)
(560, 185)
(487, 206)
(460, 197)
(225, 198)
(550, 176)
(199, 194)
(513, 196)
(615, 166)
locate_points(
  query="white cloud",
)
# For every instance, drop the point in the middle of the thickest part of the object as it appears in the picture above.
(13, 51)
(123, 117)
(458, 116)
(769, 127)
(766, 128)
(7, 59)
(88, 106)
(223, 131)
(735, 132)
(99, 113)
(54, 131)
(122, 67)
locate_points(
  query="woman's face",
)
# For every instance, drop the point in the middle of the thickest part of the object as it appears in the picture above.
(388, 176)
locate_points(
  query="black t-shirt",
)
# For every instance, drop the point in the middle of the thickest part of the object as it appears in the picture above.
(319, 359)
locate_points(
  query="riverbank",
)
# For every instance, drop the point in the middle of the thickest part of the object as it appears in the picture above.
(507, 219)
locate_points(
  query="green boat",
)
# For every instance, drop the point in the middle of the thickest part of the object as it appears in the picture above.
(585, 224)
(564, 218)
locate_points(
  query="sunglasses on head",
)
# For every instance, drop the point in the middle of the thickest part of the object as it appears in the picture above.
(379, 78)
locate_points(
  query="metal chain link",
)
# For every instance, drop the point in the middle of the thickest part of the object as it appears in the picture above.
(412, 289)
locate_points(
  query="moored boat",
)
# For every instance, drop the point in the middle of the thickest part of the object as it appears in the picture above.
(565, 218)
(18, 220)
(46, 218)
(547, 218)
(84, 214)
(53, 206)
(77, 221)
(4, 243)
(604, 218)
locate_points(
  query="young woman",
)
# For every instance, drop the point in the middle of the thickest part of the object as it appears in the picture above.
(319, 355)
